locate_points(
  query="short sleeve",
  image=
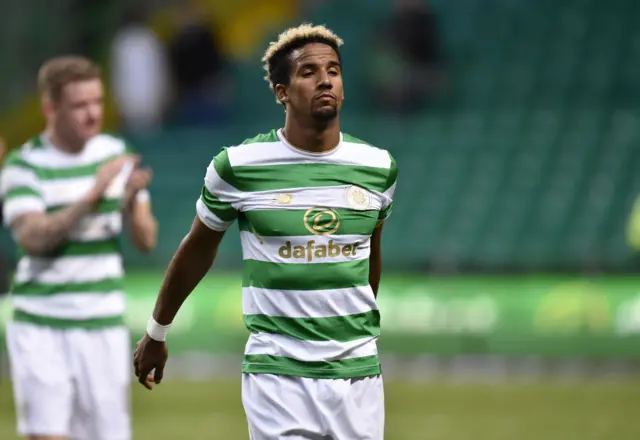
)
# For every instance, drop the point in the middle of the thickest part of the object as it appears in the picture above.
(20, 189)
(390, 188)
(217, 206)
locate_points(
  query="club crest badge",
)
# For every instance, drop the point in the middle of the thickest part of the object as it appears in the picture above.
(357, 197)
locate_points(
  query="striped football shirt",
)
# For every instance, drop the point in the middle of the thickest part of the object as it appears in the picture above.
(79, 283)
(305, 221)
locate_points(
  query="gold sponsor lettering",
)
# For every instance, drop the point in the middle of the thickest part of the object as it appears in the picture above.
(312, 251)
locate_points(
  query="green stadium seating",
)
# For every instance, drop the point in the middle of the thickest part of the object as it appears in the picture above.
(528, 164)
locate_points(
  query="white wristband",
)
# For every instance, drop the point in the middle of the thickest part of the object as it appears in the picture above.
(156, 331)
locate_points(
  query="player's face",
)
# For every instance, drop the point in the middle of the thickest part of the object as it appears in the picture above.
(78, 114)
(315, 87)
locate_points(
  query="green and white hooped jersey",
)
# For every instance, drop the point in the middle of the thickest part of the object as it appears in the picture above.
(305, 223)
(78, 284)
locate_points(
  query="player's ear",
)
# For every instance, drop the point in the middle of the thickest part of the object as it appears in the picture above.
(47, 106)
(281, 93)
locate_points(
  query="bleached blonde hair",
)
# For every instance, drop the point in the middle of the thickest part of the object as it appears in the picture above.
(293, 38)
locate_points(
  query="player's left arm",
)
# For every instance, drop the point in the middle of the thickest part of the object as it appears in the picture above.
(139, 218)
(375, 257)
(142, 225)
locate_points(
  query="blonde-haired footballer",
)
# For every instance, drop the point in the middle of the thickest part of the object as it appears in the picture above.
(68, 193)
(310, 202)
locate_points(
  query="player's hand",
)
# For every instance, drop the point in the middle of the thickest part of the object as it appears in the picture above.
(140, 179)
(107, 172)
(150, 355)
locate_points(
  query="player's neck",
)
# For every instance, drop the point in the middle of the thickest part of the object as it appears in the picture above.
(314, 139)
(60, 143)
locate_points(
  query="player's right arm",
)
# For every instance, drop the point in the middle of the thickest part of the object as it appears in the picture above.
(25, 212)
(189, 265)
(191, 262)
(38, 232)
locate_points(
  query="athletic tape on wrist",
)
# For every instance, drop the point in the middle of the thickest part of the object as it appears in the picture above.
(156, 331)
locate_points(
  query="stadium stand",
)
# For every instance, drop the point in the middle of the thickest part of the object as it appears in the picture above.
(529, 164)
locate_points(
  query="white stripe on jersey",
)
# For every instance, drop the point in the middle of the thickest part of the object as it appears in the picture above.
(309, 351)
(73, 305)
(279, 153)
(67, 270)
(308, 303)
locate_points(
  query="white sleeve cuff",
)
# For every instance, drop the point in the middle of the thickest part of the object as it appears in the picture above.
(143, 196)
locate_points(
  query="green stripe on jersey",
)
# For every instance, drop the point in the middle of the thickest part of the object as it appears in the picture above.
(224, 211)
(346, 137)
(393, 174)
(342, 369)
(40, 289)
(81, 248)
(58, 173)
(14, 159)
(223, 166)
(104, 207)
(385, 212)
(291, 222)
(89, 324)
(23, 191)
(334, 328)
(36, 141)
(276, 177)
(271, 136)
(298, 276)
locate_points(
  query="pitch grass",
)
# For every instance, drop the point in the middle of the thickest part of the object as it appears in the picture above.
(549, 411)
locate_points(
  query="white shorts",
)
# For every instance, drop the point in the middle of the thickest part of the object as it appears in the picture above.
(71, 382)
(300, 408)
